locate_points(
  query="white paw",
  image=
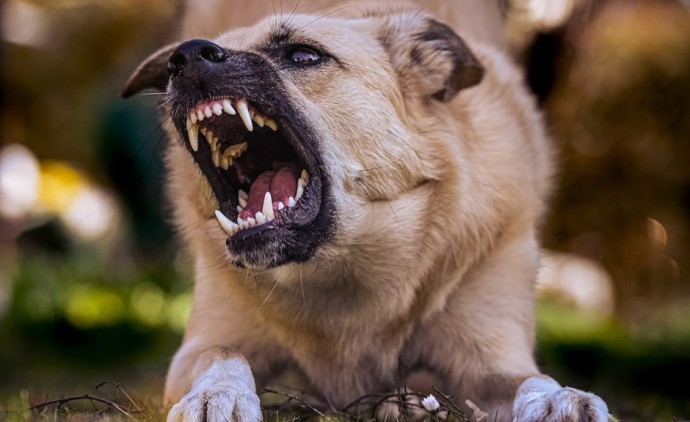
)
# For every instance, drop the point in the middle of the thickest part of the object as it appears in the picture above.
(221, 394)
(543, 399)
(404, 406)
(221, 403)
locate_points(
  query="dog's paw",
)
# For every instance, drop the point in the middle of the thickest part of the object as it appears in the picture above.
(543, 399)
(221, 403)
(221, 394)
(400, 406)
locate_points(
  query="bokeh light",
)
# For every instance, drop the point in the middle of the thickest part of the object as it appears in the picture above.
(19, 181)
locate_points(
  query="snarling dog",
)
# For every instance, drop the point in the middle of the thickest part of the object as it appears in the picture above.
(360, 192)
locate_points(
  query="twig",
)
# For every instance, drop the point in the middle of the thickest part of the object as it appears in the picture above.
(65, 400)
(452, 407)
(293, 397)
(119, 387)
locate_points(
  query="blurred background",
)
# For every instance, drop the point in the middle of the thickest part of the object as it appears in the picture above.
(94, 286)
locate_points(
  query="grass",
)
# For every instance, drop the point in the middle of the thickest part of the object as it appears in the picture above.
(114, 403)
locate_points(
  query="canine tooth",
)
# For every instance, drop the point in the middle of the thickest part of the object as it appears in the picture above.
(260, 120)
(242, 194)
(192, 117)
(268, 207)
(301, 182)
(300, 191)
(260, 218)
(208, 112)
(272, 124)
(291, 202)
(193, 134)
(239, 209)
(227, 106)
(226, 224)
(243, 109)
(200, 115)
(242, 201)
(304, 175)
(217, 109)
(280, 206)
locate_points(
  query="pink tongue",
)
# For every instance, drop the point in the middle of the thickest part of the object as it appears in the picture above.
(281, 183)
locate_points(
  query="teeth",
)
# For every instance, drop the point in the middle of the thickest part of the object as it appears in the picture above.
(260, 120)
(260, 218)
(241, 223)
(291, 202)
(193, 134)
(239, 209)
(243, 195)
(301, 183)
(300, 191)
(226, 224)
(248, 115)
(236, 150)
(280, 206)
(242, 201)
(243, 109)
(268, 207)
(227, 106)
(251, 221)
(272, 124)
(304, 176)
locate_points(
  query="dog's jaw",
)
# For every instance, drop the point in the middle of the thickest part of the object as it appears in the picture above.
(260, 158)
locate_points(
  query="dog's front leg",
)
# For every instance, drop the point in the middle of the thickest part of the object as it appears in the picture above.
(222, 388)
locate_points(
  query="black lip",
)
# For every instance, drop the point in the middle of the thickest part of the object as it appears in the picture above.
(252, 77)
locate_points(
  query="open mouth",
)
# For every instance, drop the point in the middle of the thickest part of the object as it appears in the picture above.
(263, 176)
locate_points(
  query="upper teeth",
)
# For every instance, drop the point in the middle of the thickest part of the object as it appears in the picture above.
(217, 107)
(268, 208)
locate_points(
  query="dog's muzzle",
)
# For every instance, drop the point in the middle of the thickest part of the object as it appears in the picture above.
(254, 147)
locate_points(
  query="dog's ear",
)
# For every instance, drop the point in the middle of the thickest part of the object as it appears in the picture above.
(429, 56)
(151, 73)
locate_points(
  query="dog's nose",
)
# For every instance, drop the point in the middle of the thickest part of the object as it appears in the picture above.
(195, 53)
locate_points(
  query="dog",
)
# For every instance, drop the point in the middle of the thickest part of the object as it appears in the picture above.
(361, 191)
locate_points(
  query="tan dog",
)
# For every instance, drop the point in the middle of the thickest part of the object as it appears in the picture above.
(360, 191)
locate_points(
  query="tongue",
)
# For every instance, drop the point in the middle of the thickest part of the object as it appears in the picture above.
(282, 184)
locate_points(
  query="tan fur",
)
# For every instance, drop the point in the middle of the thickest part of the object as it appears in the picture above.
(434, 256)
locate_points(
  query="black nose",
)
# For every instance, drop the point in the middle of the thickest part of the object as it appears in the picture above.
(195, 53)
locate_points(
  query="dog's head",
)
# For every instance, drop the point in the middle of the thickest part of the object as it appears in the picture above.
(300, 124)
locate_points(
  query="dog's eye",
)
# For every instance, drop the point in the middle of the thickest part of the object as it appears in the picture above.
(303, 55)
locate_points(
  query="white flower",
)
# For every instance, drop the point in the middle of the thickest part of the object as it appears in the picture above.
(430, 403)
